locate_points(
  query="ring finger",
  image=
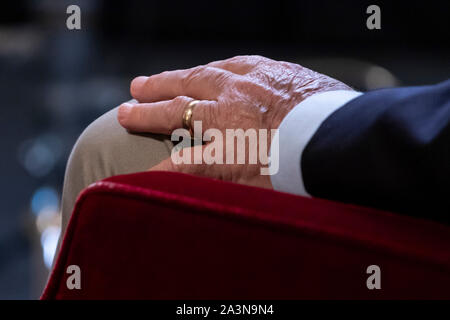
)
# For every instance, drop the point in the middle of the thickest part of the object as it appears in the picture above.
(162, 117)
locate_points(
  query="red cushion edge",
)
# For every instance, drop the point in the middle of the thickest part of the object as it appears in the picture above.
(145, 194)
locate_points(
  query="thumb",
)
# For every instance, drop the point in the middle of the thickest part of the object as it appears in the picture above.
(187, 160)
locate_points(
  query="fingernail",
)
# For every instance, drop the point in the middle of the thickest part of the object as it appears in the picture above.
(124, 111)
(137, 84)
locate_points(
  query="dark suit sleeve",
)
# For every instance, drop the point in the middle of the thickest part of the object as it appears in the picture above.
(389, 149)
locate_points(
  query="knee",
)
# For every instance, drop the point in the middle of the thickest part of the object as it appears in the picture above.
(90, 156)
(89, 162)
(105, 149)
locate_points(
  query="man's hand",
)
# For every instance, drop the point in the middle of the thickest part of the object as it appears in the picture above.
(238, 93)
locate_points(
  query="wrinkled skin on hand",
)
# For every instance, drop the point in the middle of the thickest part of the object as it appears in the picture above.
(271, 89)
(241, 92)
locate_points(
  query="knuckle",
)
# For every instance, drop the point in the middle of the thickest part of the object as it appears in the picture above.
(165, 74)
(190, 76)
(249, 62)
(238, 59)
(256, 59)
(221, 78)
(212, 114)
(197, 71)
(200, 113)
(177, 106)
(180, 100)
(150, 81)
(250, 87)
(205, 73)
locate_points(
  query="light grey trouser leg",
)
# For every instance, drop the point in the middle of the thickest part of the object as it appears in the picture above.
(105, 149)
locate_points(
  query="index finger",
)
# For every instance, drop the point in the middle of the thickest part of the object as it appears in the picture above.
(201, 83)
(240, 65)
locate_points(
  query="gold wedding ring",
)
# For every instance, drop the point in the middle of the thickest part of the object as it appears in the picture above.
(187, 115)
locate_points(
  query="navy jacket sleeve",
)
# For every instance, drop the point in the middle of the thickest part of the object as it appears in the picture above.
(389, 149)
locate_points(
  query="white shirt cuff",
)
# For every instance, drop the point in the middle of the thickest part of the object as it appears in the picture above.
(296, 130)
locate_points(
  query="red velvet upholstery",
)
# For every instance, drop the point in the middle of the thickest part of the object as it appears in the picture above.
(158, 235)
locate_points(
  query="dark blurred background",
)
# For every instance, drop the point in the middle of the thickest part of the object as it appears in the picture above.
(54, 81)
